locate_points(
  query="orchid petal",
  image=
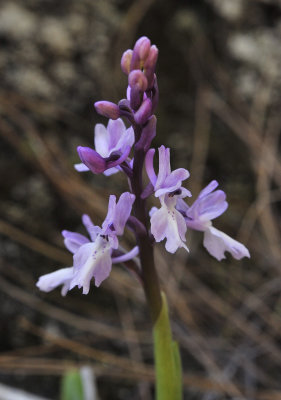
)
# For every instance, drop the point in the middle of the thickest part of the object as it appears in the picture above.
(123, 157)
(111, 171)
(102, 140)
(126, 257)
(149, 166)
(168, 223)
(217, 243)
(62, 276)
(81, 167)
(123, 211)
(92, 229)
(164, 166)
(110, 213)
(91, 159)
(116, 129)
(208, 189)
(73, 240)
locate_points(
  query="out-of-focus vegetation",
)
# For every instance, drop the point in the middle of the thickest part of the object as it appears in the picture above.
(220, 87)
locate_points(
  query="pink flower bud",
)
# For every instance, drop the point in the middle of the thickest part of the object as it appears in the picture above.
(144, 112)
(142, 47)
(126, 61)
(138, 79)
(140, 53)
(107, 109)
(150, 65)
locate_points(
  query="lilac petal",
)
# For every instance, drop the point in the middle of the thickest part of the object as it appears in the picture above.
(110, 213)
(81, 257)
(91, 159)
(152, 211)
(73, 240)
(128, 93)
(81, 167)
(122, 158)
(144, 112)
(148, 134)
(184, 193)
(91, 260)
(116, 129)
(164, 166)
(108, 109)
(111, 171)
(178, 175)
(149, 166)
(102, 140)
(123, 211)
(208, 189)
(182, 206)
(103, 269)
(213, 205)
(148, 190)
(62, 276)
(170, 224)
(126, 257)
(217, 243)
(127, 139)
(92, 229)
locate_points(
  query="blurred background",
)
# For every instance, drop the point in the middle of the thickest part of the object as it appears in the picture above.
(219, 111)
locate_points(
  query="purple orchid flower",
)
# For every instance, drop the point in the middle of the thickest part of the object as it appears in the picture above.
(93, 258)
(112, 147)
(209, 205)
(167, 222)
(166, 181)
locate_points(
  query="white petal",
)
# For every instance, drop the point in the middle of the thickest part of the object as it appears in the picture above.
(62, 276)
(111, 171)
(101, 140)
(217, 243)
(169, 223)
(81, 167)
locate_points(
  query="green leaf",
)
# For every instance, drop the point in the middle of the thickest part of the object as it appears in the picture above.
(72, 386)
(167, 358)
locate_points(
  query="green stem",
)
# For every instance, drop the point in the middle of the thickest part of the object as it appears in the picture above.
(167, 358)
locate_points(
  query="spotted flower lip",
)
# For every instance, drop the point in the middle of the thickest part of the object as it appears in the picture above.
(209, 205)
(92, 258)
(168, 223)
(166, 181)
(112, 147)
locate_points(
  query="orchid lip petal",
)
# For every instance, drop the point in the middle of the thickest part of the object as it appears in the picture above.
(217, 243)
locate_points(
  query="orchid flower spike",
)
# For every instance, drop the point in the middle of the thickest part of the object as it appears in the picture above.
(93, 258)
(167, 222)
(112, 147)
(209, 205)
